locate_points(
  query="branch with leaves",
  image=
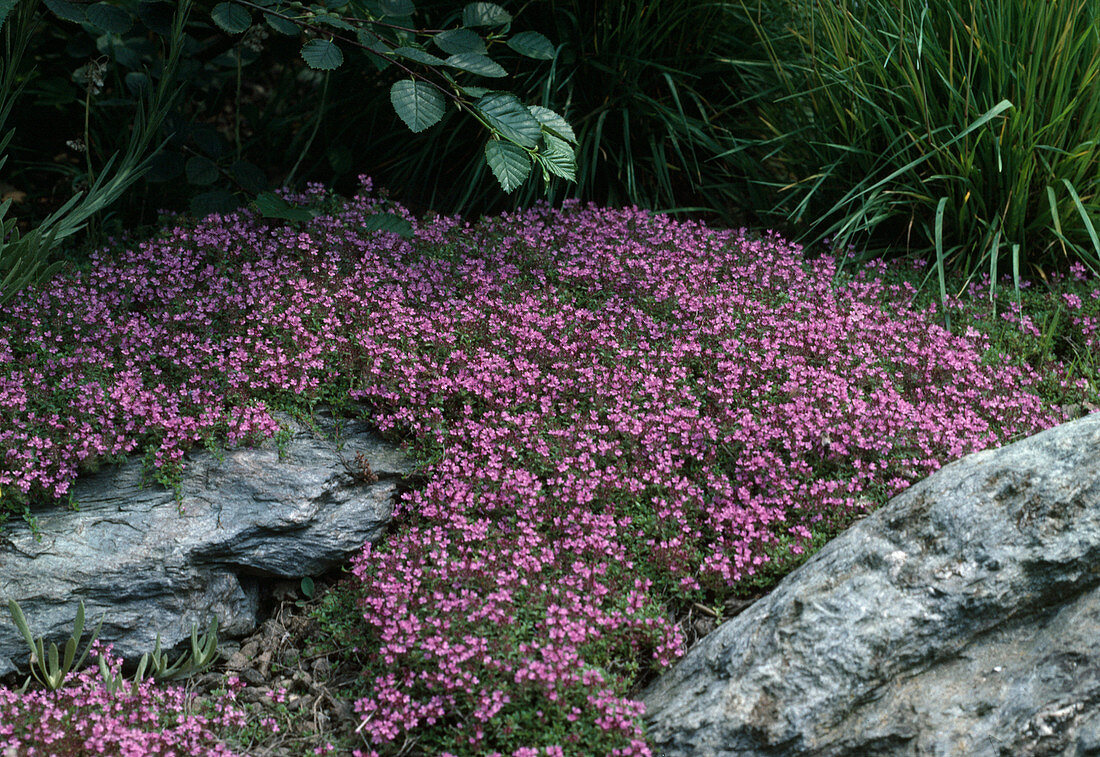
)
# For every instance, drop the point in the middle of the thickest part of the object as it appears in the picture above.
(520, 136)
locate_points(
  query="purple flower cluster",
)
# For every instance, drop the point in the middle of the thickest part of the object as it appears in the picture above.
(84, 718)
(618, 412)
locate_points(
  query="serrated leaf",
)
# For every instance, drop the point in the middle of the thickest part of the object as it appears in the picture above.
(379, 54)
(485, 14)
(508, 162)
(322, 55)
(216, 201)
(418, 55)
(455, 41)
(108, 18)
(510, 118)
(66, 10)
(388, 222)
(482, 65)
(418, 104)
(232, 18)
(282, 25)
(478, 92)
(201, 170)
(532, 45)
(553, 123)
(156, 15)
(271, 205)
(397, 7)
(557, 156)
(335, 22)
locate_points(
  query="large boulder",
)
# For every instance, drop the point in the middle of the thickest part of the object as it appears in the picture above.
(150, 563)
(962, 618)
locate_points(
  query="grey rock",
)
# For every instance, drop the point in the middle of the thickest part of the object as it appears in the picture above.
(962, 618)
(149, 563)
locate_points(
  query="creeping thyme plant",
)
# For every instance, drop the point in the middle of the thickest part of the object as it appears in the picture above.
(618, 416)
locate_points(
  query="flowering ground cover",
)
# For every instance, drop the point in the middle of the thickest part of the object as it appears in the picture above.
(618, 416)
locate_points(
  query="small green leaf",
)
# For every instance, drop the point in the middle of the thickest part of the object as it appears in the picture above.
(388, 222)
(532, 45)
(201, 170)
(397, 7)
(475, 63)
(455, 41)
(510, 117)
(282, 25)
(66, 10)
(553, 123)
(557, 157)
(418, 104)
(477, 92)
(307, 587)
(108, 18)
(232, 18)
(418, 55)
(508, 162)
(322, 55)
(485, 14)
(271, 205)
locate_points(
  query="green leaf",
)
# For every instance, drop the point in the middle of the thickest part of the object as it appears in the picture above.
(201, 170)
(507, 115)
(388, 222)
(379, 54)
(397, 7)
(250, 176)
(282, 25)
(476, 63)
(553, 123)
(66, 10)
(532, 45)
(232, 18)
(485, 14)
(322, 55)
(156, 15)
(509, 163)
(557, 157)
(308, 587)
(108, 18)
(455, 41)
(271, 205)
(418, 55)
(6, 7)
(418, 104)
(334, 21)
(477, 92)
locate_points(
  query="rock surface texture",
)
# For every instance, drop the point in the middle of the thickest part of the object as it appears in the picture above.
(962, 618)
(151, 564)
